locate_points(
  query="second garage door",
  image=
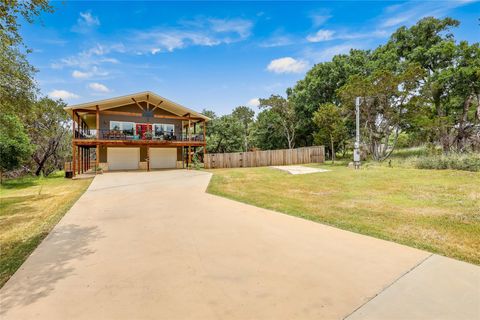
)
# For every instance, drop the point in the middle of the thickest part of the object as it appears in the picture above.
(162, 158)
(123, 158)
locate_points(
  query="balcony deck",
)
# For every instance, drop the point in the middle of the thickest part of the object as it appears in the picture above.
(118, 138)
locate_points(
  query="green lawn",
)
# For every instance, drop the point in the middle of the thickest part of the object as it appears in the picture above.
(435, 210)
(29, 208)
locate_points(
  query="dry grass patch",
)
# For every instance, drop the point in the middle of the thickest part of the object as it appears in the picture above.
(29, 208)
(433, 210)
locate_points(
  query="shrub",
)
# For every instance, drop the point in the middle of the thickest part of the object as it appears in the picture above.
(196, 162)
(466, 161)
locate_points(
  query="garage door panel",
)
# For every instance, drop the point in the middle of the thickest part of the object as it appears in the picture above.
(123, 158)
(163, 158)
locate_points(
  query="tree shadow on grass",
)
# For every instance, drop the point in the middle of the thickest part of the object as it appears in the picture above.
(18, 184)
(47, 265)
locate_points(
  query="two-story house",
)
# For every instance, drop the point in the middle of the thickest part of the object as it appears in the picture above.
(137, 131)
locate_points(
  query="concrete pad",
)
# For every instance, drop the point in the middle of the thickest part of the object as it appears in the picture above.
(299, 169)
(439, 288)
(141, 245)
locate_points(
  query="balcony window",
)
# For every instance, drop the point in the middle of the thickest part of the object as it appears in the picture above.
(127, 128)
(162, 129)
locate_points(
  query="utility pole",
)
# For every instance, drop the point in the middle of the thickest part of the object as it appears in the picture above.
(356, 151)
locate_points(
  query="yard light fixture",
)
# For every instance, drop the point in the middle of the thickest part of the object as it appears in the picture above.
(356, 150)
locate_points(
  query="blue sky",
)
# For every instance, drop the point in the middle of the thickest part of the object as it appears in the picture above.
(214, 55)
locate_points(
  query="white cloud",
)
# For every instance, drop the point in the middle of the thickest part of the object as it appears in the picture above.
(86, 22)
(326, 35)
(287, 65)
(205, 32)
(93, 72)
(321, 35)
(254, 102)
(87, 19)
(80, 75)
(98, 87)
(62, 94)
(93, 56)
(240, 26)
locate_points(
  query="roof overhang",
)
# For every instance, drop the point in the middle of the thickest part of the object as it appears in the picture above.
(153, 98)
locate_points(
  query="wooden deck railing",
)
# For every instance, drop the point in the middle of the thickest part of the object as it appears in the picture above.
(314, 154)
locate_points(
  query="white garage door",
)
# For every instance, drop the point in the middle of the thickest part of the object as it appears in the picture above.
(123, 158)
(161, 158)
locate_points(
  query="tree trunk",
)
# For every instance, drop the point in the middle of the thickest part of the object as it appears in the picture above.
(333, 150)
(461, 134)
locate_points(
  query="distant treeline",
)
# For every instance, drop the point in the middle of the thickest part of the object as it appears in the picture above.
(421, 87)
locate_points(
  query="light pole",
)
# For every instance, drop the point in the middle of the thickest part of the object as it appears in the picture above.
(356, 150)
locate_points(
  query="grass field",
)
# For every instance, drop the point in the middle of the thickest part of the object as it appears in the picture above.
(29, 208)
(438, 211)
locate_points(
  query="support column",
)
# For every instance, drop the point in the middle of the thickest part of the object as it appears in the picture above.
(73, 145)
(204, 140)
(82, 156)
(97, 157)
(148, 158)
(78, 162)
(98, 124)
(189, 156)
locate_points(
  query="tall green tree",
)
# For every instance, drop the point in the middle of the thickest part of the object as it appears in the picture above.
(386, 98)
(49, 132)
(286, 116)
(15, 147)
(320, 86)
(464, 97)
(10, 13)
(224, 133)
(332, 129)
(430, 44)
(245, 116)
(266, 133)
(17, 85)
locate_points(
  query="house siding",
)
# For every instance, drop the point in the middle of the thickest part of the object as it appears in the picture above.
(106, 118)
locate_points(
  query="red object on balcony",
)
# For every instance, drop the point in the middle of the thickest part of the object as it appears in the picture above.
(142, 129)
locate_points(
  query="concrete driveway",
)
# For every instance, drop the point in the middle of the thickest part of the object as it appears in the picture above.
(154, 245)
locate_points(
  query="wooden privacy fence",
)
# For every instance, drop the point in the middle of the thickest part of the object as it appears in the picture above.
(265, 158)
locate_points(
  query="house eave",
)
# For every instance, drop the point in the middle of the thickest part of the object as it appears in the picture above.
(153, 98)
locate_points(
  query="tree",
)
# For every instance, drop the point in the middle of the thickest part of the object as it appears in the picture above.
(386, 98)
(331, 127)
(430, 44)
(224, 134)
(10, 11)
(287, 117)
(15, 147)
(464, 96)
(17, 87)
(320, 86)
(245, 116)
(266, 133)
(49, 132)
